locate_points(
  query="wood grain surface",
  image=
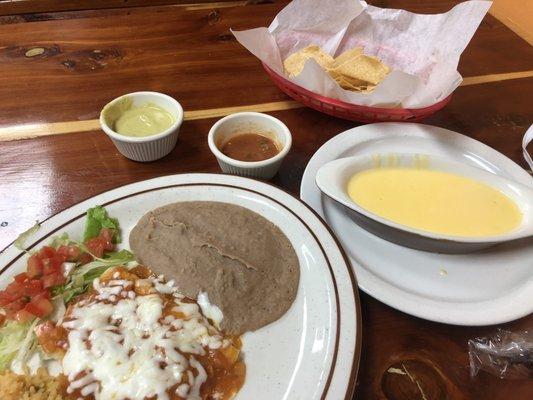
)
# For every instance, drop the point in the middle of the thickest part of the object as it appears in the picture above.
(11, 7)
(189, 53)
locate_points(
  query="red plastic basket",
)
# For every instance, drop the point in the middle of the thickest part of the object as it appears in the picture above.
(350, 111)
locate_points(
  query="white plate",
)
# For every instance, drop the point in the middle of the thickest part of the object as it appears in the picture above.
(313, 351)
(488, 287)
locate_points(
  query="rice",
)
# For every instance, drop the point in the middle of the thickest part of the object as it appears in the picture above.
(40, 386)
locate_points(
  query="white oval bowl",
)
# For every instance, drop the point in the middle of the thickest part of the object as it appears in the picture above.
(332, 179)
(146, 148)
(249, 122)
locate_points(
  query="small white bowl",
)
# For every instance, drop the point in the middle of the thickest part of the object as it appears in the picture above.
(146, 148)
(249, 122)
(332, 179)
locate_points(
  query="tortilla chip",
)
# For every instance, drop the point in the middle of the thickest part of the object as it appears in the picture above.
(354, 86)
(362, 67)
(352, 70)
(347, 55)
(344, 78)
(294, 64)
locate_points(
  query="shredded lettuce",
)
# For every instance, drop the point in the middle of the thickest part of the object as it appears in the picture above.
(79, 284)
(111, 260)
(16, 341)
(59, 310)
(97, 219)
(28, 346)
(61, 240)
(82, 277)
(20, 242)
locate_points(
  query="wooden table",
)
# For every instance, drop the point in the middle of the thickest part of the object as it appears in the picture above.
(58, 69)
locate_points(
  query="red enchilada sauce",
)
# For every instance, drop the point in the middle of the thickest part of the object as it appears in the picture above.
(250, 147)
(225, 371)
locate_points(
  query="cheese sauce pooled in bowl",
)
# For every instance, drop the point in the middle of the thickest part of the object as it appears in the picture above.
(435, 201)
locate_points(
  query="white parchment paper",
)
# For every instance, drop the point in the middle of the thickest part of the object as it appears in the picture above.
(422, 50)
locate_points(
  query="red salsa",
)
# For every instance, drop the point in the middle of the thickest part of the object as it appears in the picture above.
(250, 147)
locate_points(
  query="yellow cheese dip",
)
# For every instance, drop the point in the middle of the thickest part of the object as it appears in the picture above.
(434, 201)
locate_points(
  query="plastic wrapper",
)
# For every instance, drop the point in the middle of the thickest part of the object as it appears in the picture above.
(508, 355)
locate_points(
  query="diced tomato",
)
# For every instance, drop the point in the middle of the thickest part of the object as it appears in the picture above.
(52, 265)
(69, 253)
(63, 251)
(96, 246)
(21, 278)
(85, 258)
(15, 288)
(103, 242)
(32, 288)
(35, 266)
(60, 279)
(45, 294)
(48, 281)
(39, 306)
(60, 257)
(6, 298)
(46, 252)
(24, 316)
(106, 234)
(12, 308)
(28, 295)
(52, 280)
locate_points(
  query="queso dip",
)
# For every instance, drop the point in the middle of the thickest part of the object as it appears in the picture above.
(434, 201)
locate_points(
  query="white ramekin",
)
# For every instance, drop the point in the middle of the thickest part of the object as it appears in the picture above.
(146, 148)
(249, 122)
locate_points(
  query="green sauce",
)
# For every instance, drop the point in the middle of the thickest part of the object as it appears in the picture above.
(145, 120)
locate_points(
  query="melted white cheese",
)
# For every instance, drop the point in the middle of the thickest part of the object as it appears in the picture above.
(210, 310)
(128, 350)
(34, 362)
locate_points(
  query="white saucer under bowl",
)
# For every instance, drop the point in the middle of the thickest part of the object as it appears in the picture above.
(487, 287)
